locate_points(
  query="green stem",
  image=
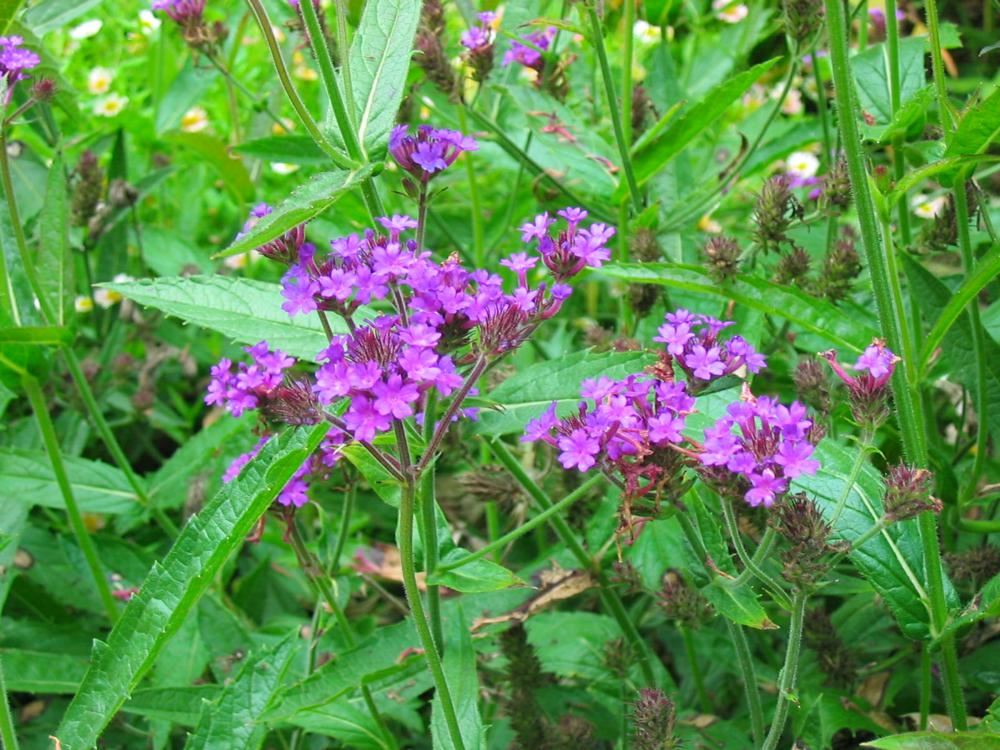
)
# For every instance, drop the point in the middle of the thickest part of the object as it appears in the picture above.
(597, 34)
(926, 685)
(790, 670)
(7, 733)
(891, 310)
(478, 243)
(233, 81)
(760, 554)
(51, 441)
(524, 528)
(852, 478)
(344, 529)
(937, 66)
(264, 22)
(628, 22)
(609, 598)
(699, 683)
(892, 47)
(739, 640)
(344, 48)
(406, 513)
(428, 517)
(748, 562)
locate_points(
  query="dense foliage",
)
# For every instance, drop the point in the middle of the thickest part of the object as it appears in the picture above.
(592, 375)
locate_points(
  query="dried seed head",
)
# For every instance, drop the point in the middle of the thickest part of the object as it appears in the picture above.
(811, 384)
(908, 493)
(431, 55)
(841, 267)
(642, 298)
(793, 268)
(653, 717)
(88, 189)
(799, 520)
(722, 254)
(644, 247)
(642, 111)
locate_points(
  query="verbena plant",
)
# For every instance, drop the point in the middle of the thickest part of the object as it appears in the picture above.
(595, 375)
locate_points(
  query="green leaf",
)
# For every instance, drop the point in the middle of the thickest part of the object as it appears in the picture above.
(738, 604)
(947, 167)
(290, 149)
(307, 201)
(872, 78)
(936, 741)
(49, 15)
(174, 586)
(13, 519)
(985, 604)
(36, 335)
(42, 672)
(380, 60)
(232, 722)
(178, 705)
(463, 681)
(8, 9)
(213, 151)
(910, 115)
(476, 577)
(978, 128)
(381, 481)
(245, 310)
(53, 262)
(680, 130)
(27, 478)
(169, 254)
(528, 393)
(835, 324)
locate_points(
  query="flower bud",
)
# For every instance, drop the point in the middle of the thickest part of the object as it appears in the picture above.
(87, 190)
(841, 266)
(793, 268)
(799, 520)
(44, 90)
(773, 212)
(908, 493)
(837, 186)
(811, 384)
(869, 389)
(644, 247)
(722, 254)
(642, 111)
(682, 603)
(653, 717)
(803, 19)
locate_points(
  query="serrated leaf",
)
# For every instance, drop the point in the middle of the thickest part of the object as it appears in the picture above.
(690, 123)
(42, 672)
(54, 263)
(308, 200)
(385, 485)
(478, 576)
(979, 127)
(178, 705)
(936, 741)
(528, 393)
(380, 60)
(290, 149)
(245, 310)
(173, 587)
(831, 322)
(233, 721)
(27, 479)
(870, 69)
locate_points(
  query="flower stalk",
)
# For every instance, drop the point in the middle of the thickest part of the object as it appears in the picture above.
(789, 672)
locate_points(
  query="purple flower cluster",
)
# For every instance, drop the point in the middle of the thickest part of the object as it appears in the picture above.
(528, 51)
(571, 250)
(480, 37)
(430, 151)
(760, 444)
(628, 430)
(283, 249)
(181, 11)
(245, 388)
(693, 341)
(15, 60)
(868, 389)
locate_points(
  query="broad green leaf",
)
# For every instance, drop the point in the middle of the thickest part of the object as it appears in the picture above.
(944, 167)
(380, 59)
(13, 519)
(738, 604)
(572, 644)
(290, 149)
(213, 151)
(307, 201)
(528, 393)
(936, 741)
(986, 271)
(8, 9)
(386, 653)
(169, 254)
(979, 127)
(245, 310)
(872, 79)
(477, 577)
(174, 586)
(43, 672)
(347, 721)
(685, 127)
(380, 480)
(834, 323)
(53, 262)
(178, 705)
(27, 478)
(232, 722)
(49, 15)
(909, 116)
(463, 682)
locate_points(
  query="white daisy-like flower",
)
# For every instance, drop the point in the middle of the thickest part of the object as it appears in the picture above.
(83, 304)
(732, 13)
(709, 225)
(237, 261)
(106, 298)
(148, 22)
(99, 81)
(802, 164)
(194, 120)
(111, 105)
(86, 29)
(646, 33)
(927, 207)
(280, 167)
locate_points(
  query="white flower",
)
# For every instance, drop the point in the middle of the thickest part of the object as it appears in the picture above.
(926, 207)
(99, 81)
(83, 304)
(730, 13)
(105, 298)
(646, 33)
(793, 103)
(280, 167)
(237, 261)
(148, 22)
(709, 225)
(120, 278)
(802, 164)
(110, 106)
(194, 120)
(86, 29)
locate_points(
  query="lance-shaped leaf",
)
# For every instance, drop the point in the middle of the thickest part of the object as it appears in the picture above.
(174, 586)
(27, 479)
(54, 262)
(308, 200)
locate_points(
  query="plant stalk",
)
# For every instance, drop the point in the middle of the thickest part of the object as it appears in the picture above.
(789, 672)
(7, 733)
(739, 640)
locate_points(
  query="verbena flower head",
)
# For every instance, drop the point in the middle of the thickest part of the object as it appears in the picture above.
(869, 387)
(625, 427)
(693, 342)
(479, 42)
(182, 11)
(908, 493)
(430, 151)
(15, 61)
(283, 249)
(568, 251)
(757, 448)
(528, 51)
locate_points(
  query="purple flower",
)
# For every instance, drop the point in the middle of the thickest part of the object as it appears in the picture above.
(528, 51)
(573, 249)
(795, 459)
(430, 151)
(364, 421)
(541, 426)
(578, 450)
(181, 11)
(705, 363)
(764, 487)
(877, 360)
(299, 291)
(394, 397)
(693, 342)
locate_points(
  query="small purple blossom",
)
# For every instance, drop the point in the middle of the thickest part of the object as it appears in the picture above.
(430, 151)
(181, 11)
(578, 450)
(529, 50)
(693, 342)
(15, 61)
(572, 250)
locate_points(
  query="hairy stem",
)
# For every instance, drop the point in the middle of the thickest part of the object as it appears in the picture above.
(739, 640)
(789, 672)
(428, 517)
(748, 562)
